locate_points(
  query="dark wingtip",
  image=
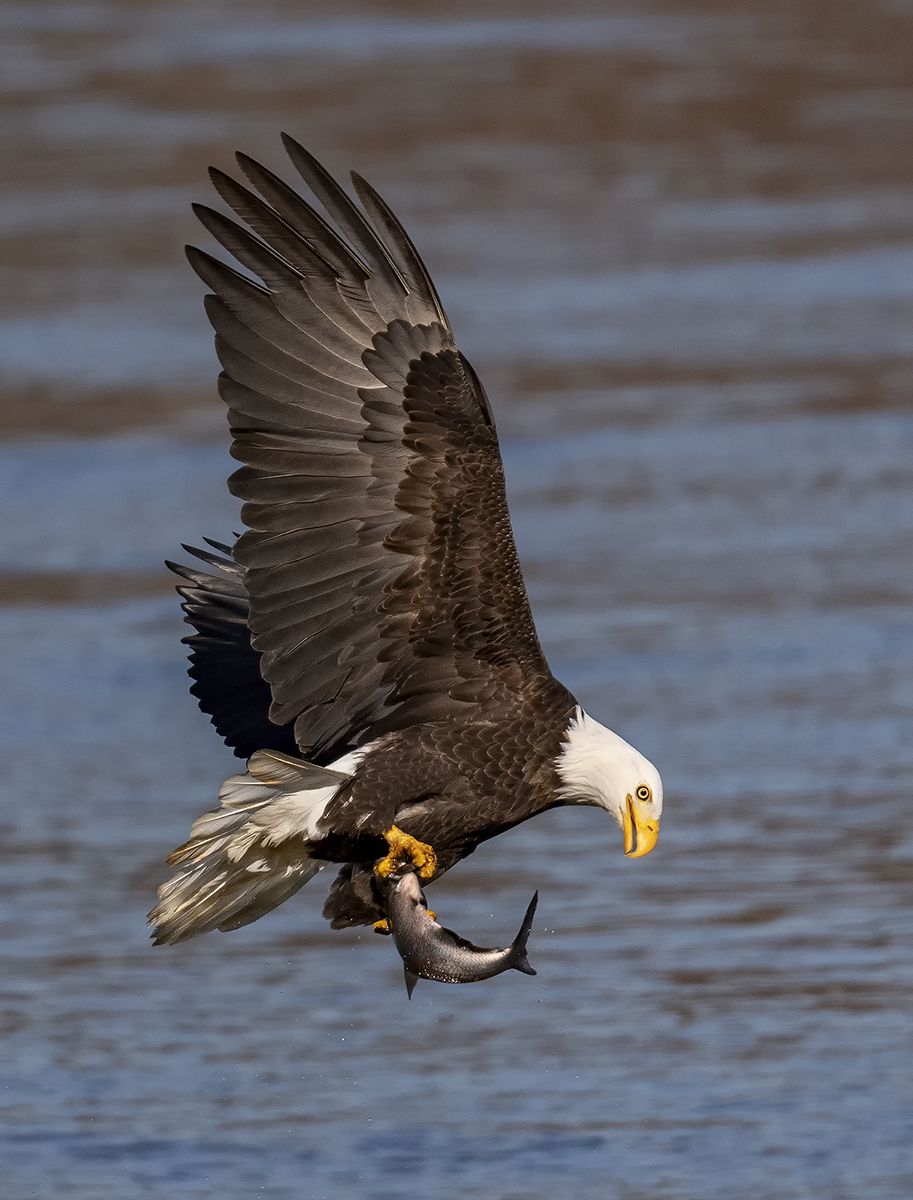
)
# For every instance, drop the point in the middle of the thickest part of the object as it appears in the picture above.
(291, 143)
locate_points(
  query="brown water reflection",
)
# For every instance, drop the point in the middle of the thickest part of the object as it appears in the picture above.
(676, 240)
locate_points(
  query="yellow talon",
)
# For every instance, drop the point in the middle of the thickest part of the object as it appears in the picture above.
(404, 848)
(381, 926)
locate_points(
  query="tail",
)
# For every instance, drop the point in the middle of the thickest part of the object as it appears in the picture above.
(518, 958)
(249, 855)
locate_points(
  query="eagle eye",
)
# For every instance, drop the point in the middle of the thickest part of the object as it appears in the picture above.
(643, 793)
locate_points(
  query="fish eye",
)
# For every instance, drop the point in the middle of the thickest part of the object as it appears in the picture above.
(643, 793)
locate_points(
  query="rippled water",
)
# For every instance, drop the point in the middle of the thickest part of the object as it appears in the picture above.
(677, 243)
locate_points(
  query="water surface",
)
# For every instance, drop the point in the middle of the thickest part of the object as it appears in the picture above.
(677, 243)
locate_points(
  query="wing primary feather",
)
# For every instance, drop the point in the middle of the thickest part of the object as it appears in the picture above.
(346, 300)
(406, 257)
(219, 546)
(316, 279)
(229, 566)
(209, 269)
(292, 305)
(191, 574)
(320, 236)
(270, 226)
(385, 285)
(292, 318)
(342, 210)
(249, 250)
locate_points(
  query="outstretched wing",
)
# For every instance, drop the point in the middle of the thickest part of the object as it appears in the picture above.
(379, 564)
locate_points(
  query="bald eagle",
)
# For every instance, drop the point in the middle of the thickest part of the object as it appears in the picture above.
(366, 645)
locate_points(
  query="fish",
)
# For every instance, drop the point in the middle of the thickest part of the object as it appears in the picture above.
(429, 951)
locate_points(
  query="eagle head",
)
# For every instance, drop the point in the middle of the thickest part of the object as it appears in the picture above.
(598, 767)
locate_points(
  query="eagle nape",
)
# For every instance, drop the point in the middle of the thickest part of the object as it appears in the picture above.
(366, 644)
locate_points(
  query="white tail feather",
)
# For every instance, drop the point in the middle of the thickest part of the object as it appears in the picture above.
(248, 856)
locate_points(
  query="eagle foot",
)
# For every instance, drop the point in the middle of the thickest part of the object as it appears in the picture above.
(382, 927)
(403, 849)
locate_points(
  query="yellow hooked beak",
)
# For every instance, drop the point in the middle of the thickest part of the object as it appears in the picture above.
(641, 831)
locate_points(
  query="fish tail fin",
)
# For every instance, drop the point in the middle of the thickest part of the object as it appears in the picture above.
(411, 980)
(249, 855)
(518, 957)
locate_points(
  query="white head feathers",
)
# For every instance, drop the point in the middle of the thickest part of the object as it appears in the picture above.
(598, 767)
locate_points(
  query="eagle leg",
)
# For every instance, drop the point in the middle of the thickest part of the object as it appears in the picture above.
(404, 848)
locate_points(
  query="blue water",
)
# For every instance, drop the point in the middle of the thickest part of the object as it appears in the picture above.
(696, 331)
